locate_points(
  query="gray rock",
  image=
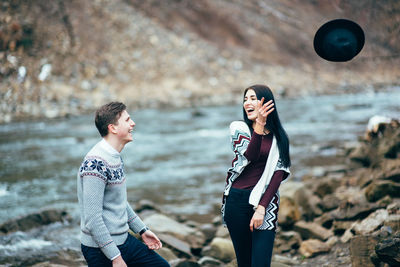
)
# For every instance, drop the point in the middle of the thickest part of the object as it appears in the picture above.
(355, 212)
(339, 227)
(388, 250)
(325, 186)
(222, 231)
(184, 263)
(372, 222)
(167, 254)
(289, 189)
(145, 204)
(286, 241)
(34, 220)
(325, 220)
(309, 230)
(289, 212)
(385, 143)
(329, 202)
(332, 241)
(221, 249)
(181, 247)
(209, 231)
(278, 264)
(283, 260)
(313, 247)
(192, 224)
(380, 188)
(233, 263)
(394, 208)
(47, 264)
(209, 262)
(162, 224)
(393, 221)
(217, 220)
(347, 236)
(308, 202)
(390, 170)
(362, 250)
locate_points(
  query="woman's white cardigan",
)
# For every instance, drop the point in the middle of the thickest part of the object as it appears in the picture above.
(240, 139)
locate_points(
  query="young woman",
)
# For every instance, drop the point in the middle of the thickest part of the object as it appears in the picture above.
(261, 163)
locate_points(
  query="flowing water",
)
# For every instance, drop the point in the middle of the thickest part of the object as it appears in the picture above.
(178, 158)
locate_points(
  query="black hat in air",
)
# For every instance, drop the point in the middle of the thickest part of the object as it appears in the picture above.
(339, 40)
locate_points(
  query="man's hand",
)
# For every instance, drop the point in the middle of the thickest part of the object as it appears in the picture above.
(151, 240)
(119, 262)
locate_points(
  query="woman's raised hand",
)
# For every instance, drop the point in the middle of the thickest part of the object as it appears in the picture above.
(264, 110)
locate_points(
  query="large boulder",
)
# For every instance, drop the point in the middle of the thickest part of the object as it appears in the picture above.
(209, 262)
(329, 202)
(232, 263)
(167, 254)
(380, 188)
(350, 212)
(325, 186)
(181, 248)
(289, 212)
(372, 222)
(160, 223)
(312, 230)
(352, 195)
(222, 231)
(347, 236)
(362, 251)
(209, 231)
(393, 221)
(325, 220)
(388, 250)
(297, 201)
(340, 227)
(309, 203)
(389, 170)
(313, 247)
(287, 241)
(221, 249)
(384, 143)
(283, 261)
(34, 220)
(289, 188)
(184, 263)
(145, 204)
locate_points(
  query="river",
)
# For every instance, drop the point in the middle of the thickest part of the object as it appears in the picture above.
(178, 158)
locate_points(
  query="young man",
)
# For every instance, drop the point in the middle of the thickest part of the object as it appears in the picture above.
(106, 215)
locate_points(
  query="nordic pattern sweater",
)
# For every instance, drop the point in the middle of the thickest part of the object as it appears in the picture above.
(106, 215)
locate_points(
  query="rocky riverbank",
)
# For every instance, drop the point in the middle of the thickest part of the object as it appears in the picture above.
(346, 216)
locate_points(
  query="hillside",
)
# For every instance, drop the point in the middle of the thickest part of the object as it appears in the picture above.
(67, 57)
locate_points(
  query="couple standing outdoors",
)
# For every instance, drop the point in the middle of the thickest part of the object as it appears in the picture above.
(250, 203)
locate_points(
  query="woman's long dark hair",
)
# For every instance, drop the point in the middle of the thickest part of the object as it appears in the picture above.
(273, 123)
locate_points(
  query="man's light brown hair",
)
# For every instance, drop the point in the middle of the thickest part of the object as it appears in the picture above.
(108, 114)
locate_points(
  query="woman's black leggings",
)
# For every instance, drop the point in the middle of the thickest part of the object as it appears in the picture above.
(252, 248)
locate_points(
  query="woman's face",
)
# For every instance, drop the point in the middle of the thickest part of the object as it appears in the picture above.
(250, 104)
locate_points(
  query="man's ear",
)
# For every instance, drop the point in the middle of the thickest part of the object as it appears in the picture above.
(111, 128)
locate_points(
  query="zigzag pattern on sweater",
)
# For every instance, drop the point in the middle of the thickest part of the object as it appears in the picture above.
(239, 142)
(271, 214)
